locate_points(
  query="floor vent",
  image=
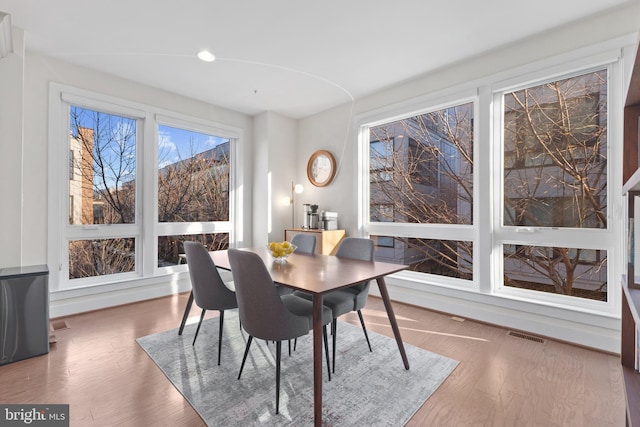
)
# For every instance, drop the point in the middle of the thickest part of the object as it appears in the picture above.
(59, 325)
(526, 337)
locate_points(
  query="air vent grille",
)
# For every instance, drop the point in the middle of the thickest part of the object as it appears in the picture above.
(526, 337)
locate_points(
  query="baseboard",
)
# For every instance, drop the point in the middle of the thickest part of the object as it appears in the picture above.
(95, 298)
(591, 330)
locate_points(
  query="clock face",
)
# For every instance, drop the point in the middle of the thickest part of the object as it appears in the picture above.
(321, 168)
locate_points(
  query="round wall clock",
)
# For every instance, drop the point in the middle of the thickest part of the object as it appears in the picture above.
(321, 168)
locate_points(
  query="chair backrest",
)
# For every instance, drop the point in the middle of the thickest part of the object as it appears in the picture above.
(262, 312)
(356, 248)
(306, 243)
(361, 249)
(209, 291)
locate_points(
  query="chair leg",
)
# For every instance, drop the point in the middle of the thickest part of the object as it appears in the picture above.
(289, 341)
(334, 327)
(278, 356)
(364, 329)
(220, 335)
(185, 316)
(198, 328)
(246, 352)
(326, 349)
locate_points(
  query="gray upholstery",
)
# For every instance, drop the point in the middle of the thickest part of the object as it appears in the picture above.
(362, 249)
(264, 313)
(209, 291)
(354, 297)
(306, 243)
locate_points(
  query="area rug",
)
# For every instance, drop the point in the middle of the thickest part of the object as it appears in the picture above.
(368, 388)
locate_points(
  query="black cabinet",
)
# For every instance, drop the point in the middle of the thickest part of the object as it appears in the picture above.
(24, 312)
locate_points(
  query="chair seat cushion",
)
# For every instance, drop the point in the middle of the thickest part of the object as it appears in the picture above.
(283, 290)
(340, 302)
(303, 307)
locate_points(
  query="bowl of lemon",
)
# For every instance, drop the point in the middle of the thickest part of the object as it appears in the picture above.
(281, 250)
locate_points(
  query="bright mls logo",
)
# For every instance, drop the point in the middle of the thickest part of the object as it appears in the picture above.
(37, 415)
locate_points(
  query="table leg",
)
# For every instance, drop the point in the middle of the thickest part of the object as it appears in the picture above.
(392, 319)
(185, 316)
(317, 360)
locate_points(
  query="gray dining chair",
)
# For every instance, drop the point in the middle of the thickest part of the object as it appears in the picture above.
(349, 299)
(305, 243)
(209, 291)
(267, 315)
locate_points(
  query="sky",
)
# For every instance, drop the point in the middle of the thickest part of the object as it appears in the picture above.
(176, 144)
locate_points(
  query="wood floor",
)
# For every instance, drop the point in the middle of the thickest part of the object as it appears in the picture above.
(99, 370)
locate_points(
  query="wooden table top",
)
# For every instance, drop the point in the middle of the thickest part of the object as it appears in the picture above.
(314, 273)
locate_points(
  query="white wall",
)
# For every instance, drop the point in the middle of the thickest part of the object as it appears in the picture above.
(274, 169)
(330, 131)
(11, 86)
(327, 131)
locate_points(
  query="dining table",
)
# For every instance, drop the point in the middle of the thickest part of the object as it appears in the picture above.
(319, 275)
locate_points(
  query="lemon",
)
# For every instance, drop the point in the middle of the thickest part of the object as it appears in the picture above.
(280, 249)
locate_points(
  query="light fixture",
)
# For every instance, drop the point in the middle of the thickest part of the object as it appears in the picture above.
(295, 189)
(206, 56)
(6, 41)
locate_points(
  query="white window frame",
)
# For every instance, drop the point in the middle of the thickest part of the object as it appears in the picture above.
(462, 232)
(192, 228)
(488, 171)
(146, 228)
(584, 238)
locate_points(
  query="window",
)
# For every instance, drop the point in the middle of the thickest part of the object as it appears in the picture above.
(572, 272)
(555, 176)
(193, 176)
(449, 258)
(103, 193)
(193, 189)
(502, 186)
(427, 164)
(421, 172)
(555, 153)
(138, 182)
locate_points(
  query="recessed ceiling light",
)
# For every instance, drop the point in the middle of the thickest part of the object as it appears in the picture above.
(206, 56)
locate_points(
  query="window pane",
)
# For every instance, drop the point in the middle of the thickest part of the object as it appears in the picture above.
(193, 176)
(422, 166)
(171, 249)
(555, 154)
(568, 271)
(103, 168)
(449, 258)
(89, 258)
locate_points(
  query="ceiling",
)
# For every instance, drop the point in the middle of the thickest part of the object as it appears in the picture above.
(292, 57)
